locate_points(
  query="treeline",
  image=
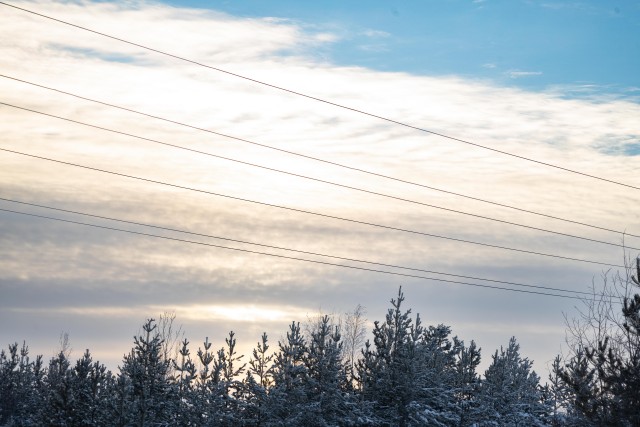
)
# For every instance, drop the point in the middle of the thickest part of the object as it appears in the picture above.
(409, 375)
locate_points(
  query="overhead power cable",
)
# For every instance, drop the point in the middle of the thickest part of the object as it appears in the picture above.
(504, 282)
(155, 141)
(314, 98)
(317, 159)
(293, 258)
(354, 221)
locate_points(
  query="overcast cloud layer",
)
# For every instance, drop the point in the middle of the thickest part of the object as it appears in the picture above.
(99, 285)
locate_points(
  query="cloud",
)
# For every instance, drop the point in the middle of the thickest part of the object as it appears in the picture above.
(51, 268)
(376, 33)
(516, 74)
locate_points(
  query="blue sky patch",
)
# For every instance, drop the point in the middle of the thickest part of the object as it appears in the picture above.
(528, 44)
(97, 54)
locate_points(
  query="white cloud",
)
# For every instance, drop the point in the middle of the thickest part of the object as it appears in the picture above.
(516, 74)
(156, 274)
(376, 33)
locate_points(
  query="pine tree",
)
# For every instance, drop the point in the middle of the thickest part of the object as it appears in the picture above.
(90, 386)
(557, 396)
(257, 383)
(207, 388)
(22, 387)
(467, 384)
(148, 373)
(589, 402)
(185, 375)
(61, 399)
(287, 396)
(326, 381)
(389, 372)
(436, 402)
(121, 405)
(231, 389)
(511, 394)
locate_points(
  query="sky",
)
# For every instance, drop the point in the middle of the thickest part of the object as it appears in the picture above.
(552, 81)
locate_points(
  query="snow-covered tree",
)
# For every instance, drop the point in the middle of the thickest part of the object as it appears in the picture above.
(437, 399)
(147, 371)
(287, 396)
(61, 397)
(389, 371)
(257, 383)
(185, 375)
(467, 384)
(511, 394)
(231, 388)
(91, 384)
(326, 380)
(22, 387)
(411, 375)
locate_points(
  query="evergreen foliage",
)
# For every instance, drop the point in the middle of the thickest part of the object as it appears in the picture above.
(408, 375)
(510, 393)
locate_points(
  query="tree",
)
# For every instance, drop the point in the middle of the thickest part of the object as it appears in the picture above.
(185, 375)
(257, 383)
(326, 379)
(354, 334)
(438, 394)
(171, 336)
(510, 393)
(231, 389)
(557, 396)
(603, 370)
(22, 386)
(467, 383)
(388, 373)
(287, 396)
(148, 373)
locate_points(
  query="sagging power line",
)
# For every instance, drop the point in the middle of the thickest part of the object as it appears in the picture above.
(354, 221)
(314, 98)
(376, 193)
(415, 276)
(504, 282)
(341, 165)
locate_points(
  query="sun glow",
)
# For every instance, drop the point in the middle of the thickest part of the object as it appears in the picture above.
(240, 313)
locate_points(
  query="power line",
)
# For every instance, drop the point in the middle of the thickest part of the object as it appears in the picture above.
(308, 212)
(289, 249)
(293, 258)
(320, 180)
(335, 104)
(320, 160)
